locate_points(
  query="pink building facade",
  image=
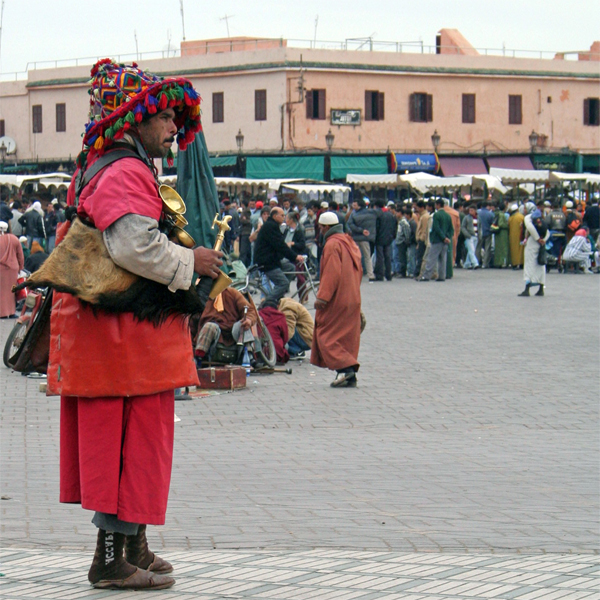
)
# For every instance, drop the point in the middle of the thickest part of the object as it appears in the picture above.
(285, 100)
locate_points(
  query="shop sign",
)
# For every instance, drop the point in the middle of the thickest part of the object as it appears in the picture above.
(344, 116)
(416, 162)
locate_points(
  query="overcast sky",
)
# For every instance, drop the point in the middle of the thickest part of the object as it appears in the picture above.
(41, 30)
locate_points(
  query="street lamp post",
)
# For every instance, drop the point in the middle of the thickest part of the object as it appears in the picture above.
(533, 140)
(435, 140)
(239, 140)
(329, 139)
(3, 153)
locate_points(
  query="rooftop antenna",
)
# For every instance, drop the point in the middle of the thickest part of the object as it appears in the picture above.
(316, 25)
(169, 43)
(226, 19)
(137, 54)
(182, 19)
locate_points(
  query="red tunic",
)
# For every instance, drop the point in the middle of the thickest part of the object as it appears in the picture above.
(116, 376)
(336, 337)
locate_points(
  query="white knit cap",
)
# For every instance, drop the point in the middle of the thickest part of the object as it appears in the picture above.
(3, 226)
(329, 218)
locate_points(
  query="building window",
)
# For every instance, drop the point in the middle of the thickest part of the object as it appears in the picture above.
(515, 112)
(61, 117)
(2, 130)
(217, 109)
(591, 111)
(260, 105)
(374, 106)
(36, 112)
(421, 108)
(315, 104)
(468, 108)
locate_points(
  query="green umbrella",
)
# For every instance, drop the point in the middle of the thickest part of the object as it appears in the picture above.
(196, 185)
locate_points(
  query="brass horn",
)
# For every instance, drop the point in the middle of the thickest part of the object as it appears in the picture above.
(173, 210)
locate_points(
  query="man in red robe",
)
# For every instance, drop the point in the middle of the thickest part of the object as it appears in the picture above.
(116, 374)
(336, 337)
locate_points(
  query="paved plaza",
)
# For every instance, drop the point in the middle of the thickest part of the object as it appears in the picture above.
(465, 465)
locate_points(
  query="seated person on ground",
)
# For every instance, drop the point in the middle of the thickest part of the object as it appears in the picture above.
(300, 327)
(226, 320)
(276, 323)
(579, 250)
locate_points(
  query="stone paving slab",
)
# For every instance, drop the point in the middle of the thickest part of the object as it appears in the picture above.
(319, 575)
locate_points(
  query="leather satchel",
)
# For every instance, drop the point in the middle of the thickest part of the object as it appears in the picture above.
(32, 356)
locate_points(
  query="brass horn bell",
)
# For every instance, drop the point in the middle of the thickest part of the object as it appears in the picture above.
(174, 209)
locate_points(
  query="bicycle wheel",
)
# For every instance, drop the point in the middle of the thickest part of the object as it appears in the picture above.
(13, 342)
(265, 348)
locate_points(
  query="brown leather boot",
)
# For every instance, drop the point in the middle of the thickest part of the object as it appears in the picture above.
(137, 553)
(110, 570)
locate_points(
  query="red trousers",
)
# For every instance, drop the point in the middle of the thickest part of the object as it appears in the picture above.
(116, 455)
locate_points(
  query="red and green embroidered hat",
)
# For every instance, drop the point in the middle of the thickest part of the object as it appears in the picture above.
(122, 95)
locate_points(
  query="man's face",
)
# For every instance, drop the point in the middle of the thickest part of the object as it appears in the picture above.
(158, 133)
(252, 204)
(286, 204)
(355, 206)
(473, 211)
(310, 212)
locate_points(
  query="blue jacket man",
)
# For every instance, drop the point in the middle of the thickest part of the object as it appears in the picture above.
(362, 225)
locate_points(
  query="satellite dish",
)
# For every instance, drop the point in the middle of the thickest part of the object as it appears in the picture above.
(9, 144)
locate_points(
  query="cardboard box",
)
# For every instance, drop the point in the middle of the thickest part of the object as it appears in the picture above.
(226, 377)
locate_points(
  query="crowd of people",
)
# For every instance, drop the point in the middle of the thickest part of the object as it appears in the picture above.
(424, 239)
(26, 225)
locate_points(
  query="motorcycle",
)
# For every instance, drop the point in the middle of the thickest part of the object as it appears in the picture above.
(31, 307)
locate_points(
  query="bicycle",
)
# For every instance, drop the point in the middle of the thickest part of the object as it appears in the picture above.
(257, 284)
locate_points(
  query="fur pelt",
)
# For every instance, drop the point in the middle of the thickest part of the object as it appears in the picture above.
(81, 265)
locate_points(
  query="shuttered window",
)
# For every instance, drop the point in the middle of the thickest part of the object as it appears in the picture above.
(315, 104)
(260, 105)
(217, 107)
(591, 111)
(420, 108)
(515, 111)
(2, 130)
(61, 117)
(468, 108)
(374, 106)
(36, 114)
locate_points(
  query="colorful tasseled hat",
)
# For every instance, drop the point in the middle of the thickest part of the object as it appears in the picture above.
(122, 95)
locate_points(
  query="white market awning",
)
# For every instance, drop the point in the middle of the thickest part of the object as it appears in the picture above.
(317, 188)
(241, 182)
(168, 179)
(418, 180)
(590, 178)
(516, 176)
(373, 181)
(45, 179)
(492, 182)
(447, 183)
